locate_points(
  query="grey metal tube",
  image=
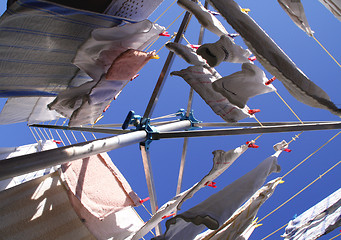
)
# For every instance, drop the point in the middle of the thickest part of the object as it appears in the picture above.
(251, 130)
(31, 162)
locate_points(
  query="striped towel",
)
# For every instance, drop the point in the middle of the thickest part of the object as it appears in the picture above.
(39, 209)
(38, 42)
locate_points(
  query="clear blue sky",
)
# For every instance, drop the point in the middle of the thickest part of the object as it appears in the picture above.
(165, 154)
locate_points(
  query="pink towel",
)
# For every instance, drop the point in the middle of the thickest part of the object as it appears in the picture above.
(99, 185)
(127, 64)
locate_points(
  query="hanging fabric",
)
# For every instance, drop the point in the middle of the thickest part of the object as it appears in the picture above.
(83, 104)
(97, 54)
(27, 109)
(164, 210)
(223, 50)
(11, 152)
(220, 206)
(320, 219)
(201, 79)
(40, 39)
(273, 59)
(186, 53)
(204, 17)
(221, 161)
(240, 86)
(40, 209)
(99, 185)
(334, 6)
(295, 10)
(242, 222)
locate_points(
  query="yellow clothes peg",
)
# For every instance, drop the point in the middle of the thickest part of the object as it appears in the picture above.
(246, 10)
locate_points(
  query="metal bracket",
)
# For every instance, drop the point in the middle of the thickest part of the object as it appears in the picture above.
(140, 124)
(190, 117)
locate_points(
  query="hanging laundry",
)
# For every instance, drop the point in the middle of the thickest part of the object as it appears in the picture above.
(40, 209)
(97, 54)
(239, 87)
(273, 59)
(242, 223)
(334, 6)
(220, 206)
(204, 17)
(186, 53)
(201, 79)
(11, 152)
(295, 10)
(98, 184)
(136, 10)
(84, 104)
(221, 161)
(320, 219)
(27, 109)
(223, 50)
(128, 64)
(164, 210)
(39, 40)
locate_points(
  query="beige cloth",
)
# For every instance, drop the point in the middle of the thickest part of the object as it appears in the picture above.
(128, 64)
(99, 185)
(201, 79)
(39, 209)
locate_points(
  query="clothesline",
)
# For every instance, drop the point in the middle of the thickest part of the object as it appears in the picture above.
(318, 178)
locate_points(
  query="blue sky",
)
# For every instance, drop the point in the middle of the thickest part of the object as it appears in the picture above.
(166, 154)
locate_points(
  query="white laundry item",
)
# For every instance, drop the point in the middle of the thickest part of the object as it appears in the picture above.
(242, 223)
(219, 207)
(11, 152)
(30, 109)
(204, 17)
(36, 54)
(273, 59)
(201, 79)
(318, 220)
(334, 6)
(295, 10)
(40, 209)
(164, 210)
(186, 53)
(97, 54)
(221, 161)
(223, 50)
(240, 86)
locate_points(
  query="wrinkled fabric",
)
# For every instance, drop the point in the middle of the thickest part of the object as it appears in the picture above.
(98, 185)
(220, 206)
(295, 10)
(40, 209)
(186, 53)
(318, 220)
(38, 42)
(334, 6)
(273, 59)
(204, 17)
(117, 225)
(221, 161)
(11, 152)
(241, 224)
(84, 104)
(97, 54)
(240, 86)
(128, 64)
(223, 50)
(27, 109)
(201, 79)
(164, 210)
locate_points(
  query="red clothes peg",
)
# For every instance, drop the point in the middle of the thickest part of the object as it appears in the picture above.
(253, 111)
(270, 81)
